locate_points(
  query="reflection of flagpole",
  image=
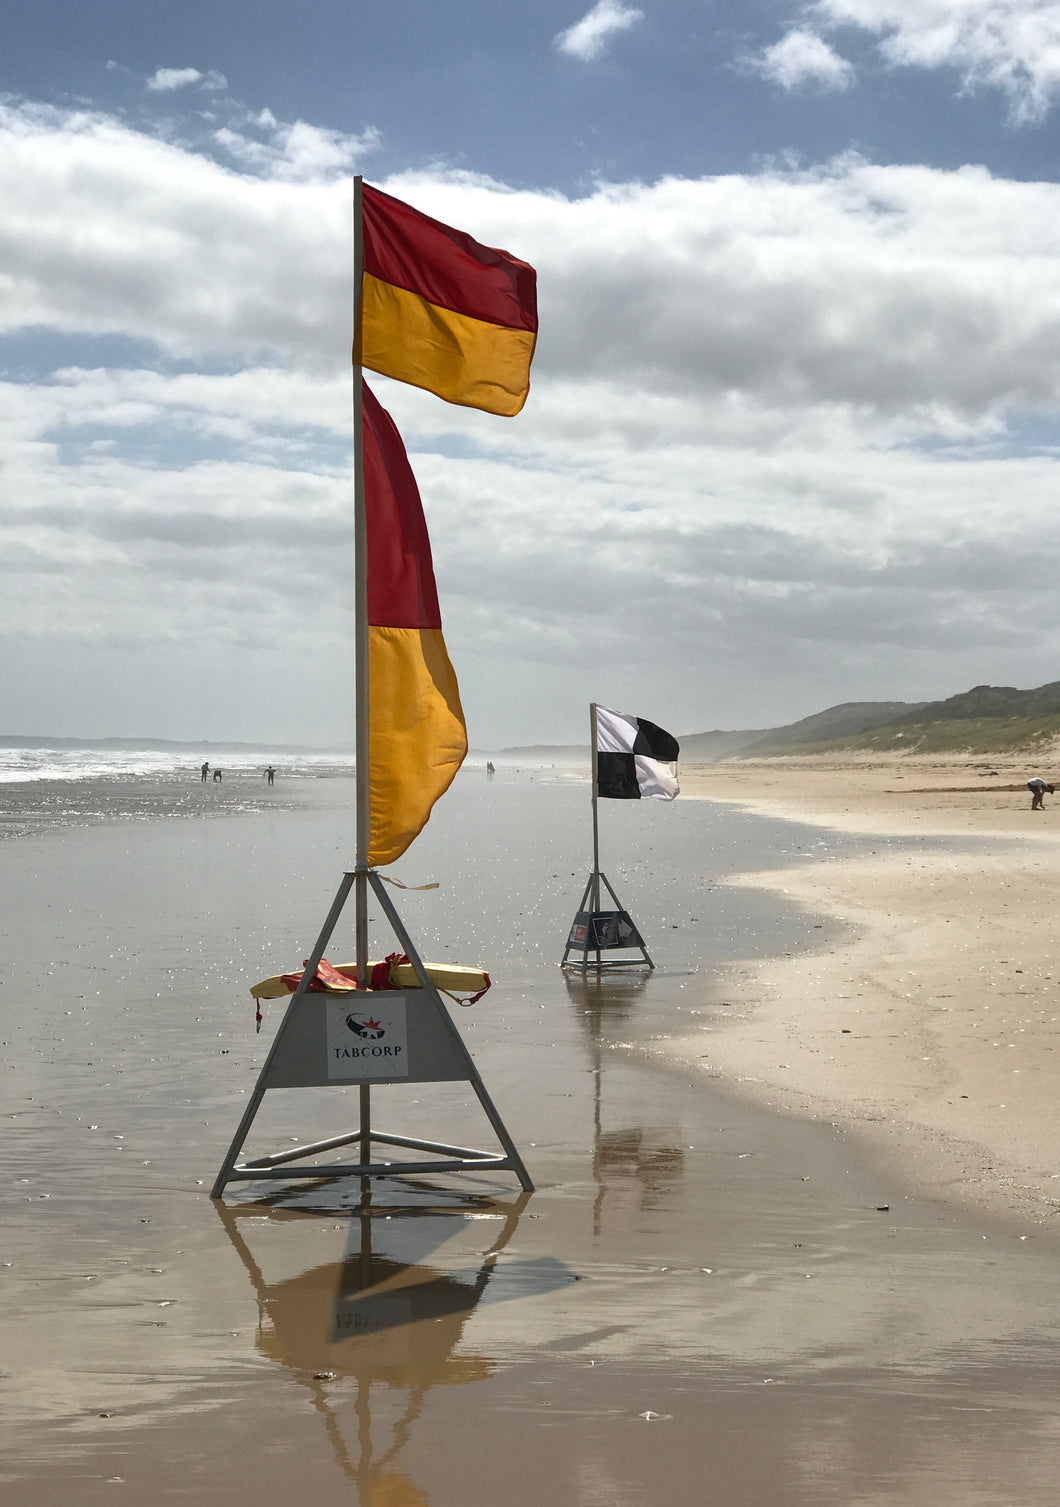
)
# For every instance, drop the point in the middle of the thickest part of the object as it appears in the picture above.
(598, 1119)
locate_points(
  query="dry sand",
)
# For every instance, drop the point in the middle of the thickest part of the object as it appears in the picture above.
(932, 1026)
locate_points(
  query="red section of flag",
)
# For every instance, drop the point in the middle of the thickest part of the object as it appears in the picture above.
(447, 267)
(401, 587)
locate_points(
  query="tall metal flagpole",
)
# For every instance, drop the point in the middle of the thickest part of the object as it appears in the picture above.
(364, 816)
(298, 1056)
(360, 605)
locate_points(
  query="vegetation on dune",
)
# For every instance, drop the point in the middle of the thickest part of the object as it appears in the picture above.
(988, 719)
(992, 702)
(973, 735)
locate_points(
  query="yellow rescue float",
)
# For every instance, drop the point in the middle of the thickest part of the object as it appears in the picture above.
(466, 985)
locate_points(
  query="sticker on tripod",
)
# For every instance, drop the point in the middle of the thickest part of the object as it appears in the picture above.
(367, 1037)
(599, 930)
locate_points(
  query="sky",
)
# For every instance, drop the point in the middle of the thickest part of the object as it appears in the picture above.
(794, 417)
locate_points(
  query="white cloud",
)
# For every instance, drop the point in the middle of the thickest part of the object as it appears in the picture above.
(165, 80)
(914, 296)
(775, 415)
(296, 152)
(587, 38)
(1009, 45)
(168, 246)
(802, 57)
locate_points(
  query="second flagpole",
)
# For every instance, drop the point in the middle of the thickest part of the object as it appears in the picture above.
(594, 902)
(596, 802)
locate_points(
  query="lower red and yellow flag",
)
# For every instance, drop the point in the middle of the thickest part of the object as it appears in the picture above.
(417, 739)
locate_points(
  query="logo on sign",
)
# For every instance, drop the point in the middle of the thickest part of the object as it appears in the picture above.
(370, 1029)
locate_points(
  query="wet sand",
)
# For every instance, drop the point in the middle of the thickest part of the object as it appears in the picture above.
(933, 1027)
(704, 1299)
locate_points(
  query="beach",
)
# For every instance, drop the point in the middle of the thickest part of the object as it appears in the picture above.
(710, 1294)
(931, 1027)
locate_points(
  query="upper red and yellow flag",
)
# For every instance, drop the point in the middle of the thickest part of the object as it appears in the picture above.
(416, 734)
(441, 311)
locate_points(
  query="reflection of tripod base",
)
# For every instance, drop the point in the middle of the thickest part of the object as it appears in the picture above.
(358, 1038)
(595, 931)
(389, 1320)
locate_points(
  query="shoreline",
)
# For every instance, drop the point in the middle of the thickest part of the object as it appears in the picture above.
(930, 1027)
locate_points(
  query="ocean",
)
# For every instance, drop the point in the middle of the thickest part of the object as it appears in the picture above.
(50, 762)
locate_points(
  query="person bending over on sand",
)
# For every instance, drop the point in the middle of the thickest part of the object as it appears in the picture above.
(217, 775)
(1038, 788)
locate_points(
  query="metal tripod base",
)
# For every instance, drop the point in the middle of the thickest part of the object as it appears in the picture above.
(298, 1058)
(588, 922)
(452, 1159)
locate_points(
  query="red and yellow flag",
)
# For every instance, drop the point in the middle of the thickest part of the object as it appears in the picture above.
(443, 312)
(416, 735)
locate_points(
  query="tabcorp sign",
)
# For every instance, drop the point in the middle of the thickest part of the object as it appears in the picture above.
(367, 1038)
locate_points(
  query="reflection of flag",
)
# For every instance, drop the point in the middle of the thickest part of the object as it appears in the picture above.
(634, 758)
(442, 312)
(416, 735)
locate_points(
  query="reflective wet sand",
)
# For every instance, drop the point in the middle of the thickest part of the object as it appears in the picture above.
(701, 1302)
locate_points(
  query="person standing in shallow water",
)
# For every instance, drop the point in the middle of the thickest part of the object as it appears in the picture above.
(270, 774)
(204, 771)
(1038, 788)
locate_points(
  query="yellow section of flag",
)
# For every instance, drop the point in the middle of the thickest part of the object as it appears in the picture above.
(461, 359)
(417, 740)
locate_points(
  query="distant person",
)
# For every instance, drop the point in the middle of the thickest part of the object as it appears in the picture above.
(1038, 788)
(270, 774)
(204, 771)
(217, 776)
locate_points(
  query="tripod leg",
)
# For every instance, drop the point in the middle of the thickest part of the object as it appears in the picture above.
(256, 1097)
